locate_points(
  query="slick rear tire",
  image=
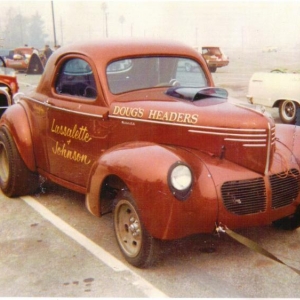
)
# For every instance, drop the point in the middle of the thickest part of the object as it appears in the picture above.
(15, 178)
(137, 246)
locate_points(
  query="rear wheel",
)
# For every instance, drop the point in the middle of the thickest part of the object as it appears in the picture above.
(15, 178)
(136, 244)
(287, 111)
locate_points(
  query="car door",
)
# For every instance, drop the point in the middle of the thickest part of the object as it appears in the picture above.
(77, 123)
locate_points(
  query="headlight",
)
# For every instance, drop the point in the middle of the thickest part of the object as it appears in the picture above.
(180, 179)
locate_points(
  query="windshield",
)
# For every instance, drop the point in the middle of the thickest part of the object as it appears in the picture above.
(149, 72)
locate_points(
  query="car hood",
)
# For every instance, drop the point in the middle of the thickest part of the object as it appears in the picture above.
(215, 124)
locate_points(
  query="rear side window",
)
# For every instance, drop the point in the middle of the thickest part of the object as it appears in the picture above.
(76, 78)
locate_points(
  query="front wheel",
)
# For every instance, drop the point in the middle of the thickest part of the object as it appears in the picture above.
(289, 223)
(136, 244)
(15, 178)
(287, 111)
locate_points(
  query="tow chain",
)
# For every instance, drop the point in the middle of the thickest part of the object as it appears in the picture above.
(251, 245)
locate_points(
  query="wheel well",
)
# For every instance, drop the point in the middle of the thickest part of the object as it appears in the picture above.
(3, 95)
(3, 100)
(110, 188)
(277, 103)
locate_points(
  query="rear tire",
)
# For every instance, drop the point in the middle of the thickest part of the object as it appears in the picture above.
(136, 244)
(15, 178)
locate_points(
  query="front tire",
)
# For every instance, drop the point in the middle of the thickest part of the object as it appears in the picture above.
(15, 178)
(136, 244)
(289, 223)
(287, 111)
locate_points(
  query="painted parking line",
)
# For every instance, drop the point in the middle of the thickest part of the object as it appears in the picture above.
(146, 287)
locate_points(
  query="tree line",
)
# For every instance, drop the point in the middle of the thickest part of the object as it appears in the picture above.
(19, 31)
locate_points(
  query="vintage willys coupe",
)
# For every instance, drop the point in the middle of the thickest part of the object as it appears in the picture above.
(168, 153)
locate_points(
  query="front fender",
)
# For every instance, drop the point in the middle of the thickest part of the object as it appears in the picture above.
(144, 168)
(132, 162)
(20, 132)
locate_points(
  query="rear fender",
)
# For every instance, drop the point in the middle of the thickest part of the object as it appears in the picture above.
(16, 121)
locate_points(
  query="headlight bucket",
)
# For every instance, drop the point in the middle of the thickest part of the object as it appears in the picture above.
(180, 180)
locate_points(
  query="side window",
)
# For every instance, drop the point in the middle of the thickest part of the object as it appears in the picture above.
(76, 79)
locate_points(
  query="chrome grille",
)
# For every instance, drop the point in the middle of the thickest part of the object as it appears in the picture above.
(285, 188)
(244, 196)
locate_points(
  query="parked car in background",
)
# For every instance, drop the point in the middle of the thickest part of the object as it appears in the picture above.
(277, 88)
(8, 86)
(163, 149)
(26, 59)
(19, 59)
(214, 57)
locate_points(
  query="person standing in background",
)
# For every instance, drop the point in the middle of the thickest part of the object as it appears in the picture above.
(47, 52)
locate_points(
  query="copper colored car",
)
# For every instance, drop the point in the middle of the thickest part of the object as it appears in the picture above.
(20, 58)
(168, 153)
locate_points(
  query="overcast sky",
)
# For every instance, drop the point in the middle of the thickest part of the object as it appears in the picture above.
(229, 24)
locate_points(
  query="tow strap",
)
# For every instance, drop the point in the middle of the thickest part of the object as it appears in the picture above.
(252, 245)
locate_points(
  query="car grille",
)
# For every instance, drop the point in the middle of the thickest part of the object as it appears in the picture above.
(249, 196)
(245, 196)
(285, 188)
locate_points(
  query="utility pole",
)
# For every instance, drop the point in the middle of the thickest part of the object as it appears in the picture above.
(53, 22)
(104, 8)
(61, 31)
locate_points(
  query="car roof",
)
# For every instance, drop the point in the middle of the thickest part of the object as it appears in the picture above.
(109, 49)
(104, 51)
